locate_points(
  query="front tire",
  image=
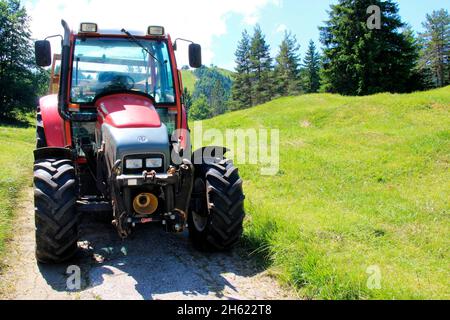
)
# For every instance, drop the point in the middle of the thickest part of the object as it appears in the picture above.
(56, 219)
(217, 209)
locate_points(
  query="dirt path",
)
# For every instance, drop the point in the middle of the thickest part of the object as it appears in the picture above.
(152, 265)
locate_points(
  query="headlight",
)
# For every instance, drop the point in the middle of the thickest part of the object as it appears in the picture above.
(153, 163)
(133, 164)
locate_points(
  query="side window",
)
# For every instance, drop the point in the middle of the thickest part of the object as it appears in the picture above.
(168, 68)
(165, 74)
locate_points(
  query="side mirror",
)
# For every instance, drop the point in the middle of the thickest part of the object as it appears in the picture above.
(43, 53)
(195, 55)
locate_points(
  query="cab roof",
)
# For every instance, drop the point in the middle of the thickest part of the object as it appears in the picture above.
(117, 32)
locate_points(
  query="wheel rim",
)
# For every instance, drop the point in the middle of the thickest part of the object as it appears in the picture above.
(200, 220)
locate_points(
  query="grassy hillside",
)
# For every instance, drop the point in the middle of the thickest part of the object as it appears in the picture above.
(363, 183)
(16, 160)
(189, 78)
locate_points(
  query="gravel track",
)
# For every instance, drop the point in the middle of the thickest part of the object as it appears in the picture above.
(152, 265)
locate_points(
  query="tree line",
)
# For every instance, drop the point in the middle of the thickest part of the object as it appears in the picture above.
(260, 78)
(21, 81)
(355, 59)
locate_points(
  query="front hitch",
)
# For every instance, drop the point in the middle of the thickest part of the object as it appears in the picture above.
(177, 186)
(177, 219)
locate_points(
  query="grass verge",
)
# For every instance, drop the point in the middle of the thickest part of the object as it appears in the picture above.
(16, 165)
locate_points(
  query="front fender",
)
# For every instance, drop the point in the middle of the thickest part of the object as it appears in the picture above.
(52, 121)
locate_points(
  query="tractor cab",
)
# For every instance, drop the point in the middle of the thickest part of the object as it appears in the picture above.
(97, 62)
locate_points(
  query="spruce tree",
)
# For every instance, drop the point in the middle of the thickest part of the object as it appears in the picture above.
(359, 60)
(242, 86)
(434, 60)
(261, 68)
(311, 65)
(287, 73)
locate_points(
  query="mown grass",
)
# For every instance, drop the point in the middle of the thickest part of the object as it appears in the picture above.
(16, 165)
(363, 181)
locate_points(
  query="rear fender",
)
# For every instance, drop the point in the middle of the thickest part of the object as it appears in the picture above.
(54, 125)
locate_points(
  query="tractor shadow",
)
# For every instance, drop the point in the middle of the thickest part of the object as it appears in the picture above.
(150, 265)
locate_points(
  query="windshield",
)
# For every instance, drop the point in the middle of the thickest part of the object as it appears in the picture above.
(103, 65)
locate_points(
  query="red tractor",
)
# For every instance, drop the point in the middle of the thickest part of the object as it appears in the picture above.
(115, 139)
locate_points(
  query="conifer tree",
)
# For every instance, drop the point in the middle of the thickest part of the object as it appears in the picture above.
(311, 65)
(242, 86)
(435, 55)
(261, 68)
(287, 73)
(360, 60)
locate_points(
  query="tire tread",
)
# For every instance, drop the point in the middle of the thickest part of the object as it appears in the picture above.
(56, 219)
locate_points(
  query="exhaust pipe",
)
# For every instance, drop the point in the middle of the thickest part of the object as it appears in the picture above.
(145, 204)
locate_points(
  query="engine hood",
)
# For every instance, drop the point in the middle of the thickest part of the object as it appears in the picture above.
(127, 111)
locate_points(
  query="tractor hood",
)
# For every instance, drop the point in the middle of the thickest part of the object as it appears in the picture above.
(131, 127)
(127, 111)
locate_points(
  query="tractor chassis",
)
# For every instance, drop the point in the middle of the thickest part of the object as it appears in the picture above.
(177, 186)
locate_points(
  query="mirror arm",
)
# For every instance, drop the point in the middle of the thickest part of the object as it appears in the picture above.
(55, 36)
(181, 39)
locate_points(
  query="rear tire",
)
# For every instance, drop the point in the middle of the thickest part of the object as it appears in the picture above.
(56, 218)
(217, 209)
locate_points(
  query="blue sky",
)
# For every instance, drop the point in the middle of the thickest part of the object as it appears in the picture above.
(215, 24)
(303, 19)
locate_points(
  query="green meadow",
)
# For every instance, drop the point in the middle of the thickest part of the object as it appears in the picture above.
(363, 187)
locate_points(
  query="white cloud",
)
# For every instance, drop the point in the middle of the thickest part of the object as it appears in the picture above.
(199, 20)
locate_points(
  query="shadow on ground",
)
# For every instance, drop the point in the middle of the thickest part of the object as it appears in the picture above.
(153, 264)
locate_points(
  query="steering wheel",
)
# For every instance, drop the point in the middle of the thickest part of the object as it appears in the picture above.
(122, 82)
